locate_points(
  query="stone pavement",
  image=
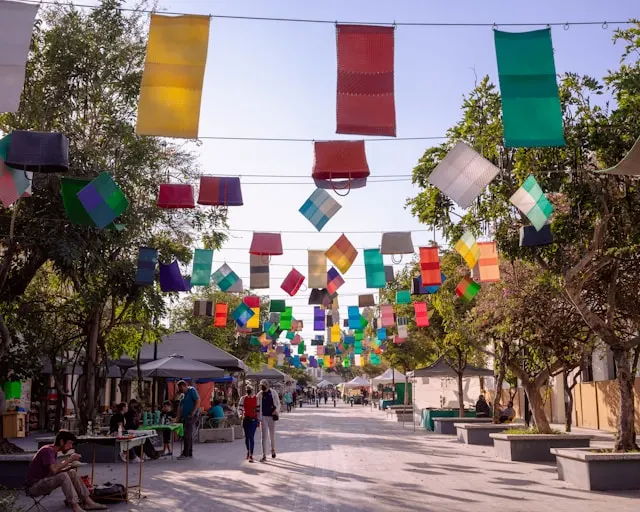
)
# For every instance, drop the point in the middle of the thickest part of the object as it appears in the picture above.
(351, 459)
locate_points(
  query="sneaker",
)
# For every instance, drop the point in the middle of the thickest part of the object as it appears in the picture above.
(137, 460)
(182, 457)
(263, 459)
(251, 459)
(123, 456)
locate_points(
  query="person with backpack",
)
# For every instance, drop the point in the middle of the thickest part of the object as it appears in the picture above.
(249, 410)
(268, 414)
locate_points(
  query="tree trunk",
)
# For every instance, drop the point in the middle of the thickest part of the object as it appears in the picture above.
(537, 408)
(502, 370)
(568, 401)
(88, 412)
(460, 396)
(626, 435)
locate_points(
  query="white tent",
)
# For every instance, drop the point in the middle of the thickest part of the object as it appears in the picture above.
(389, 377)
(324, 384)
(358, 382)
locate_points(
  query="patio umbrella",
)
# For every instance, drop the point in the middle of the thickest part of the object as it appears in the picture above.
(176, 366)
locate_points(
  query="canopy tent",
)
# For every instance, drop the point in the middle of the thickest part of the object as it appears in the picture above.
(191, 347)
(390, 376)
(333, 378)
(324, 384)
(175, 366)
(357, 382)
(441, 369)
(269, 374)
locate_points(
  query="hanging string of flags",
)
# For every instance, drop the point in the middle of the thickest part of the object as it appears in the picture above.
(169, 106)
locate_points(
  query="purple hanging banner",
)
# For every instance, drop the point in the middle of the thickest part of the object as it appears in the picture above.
(318, 319)
(171, 279)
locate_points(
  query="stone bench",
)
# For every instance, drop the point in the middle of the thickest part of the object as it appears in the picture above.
(535, 447)
(479, 433)
(216, 435)
(446, 426)
(13, 469)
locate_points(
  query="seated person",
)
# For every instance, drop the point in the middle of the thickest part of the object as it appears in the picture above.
(167, 418)
(229, 412)
(45, 474)
(118, 418)
(507, 414)
(216, 411)
(482, 408)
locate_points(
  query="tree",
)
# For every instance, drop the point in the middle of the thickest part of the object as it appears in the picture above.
(83, 79)
(596, 240)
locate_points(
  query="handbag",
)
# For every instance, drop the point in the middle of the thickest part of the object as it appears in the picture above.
(275, 417)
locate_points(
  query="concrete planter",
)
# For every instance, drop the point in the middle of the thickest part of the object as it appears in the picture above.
(238, 432)
(216, 435)
(13, 469)
(535, 447)
(446, 426)
(598, 471)
(478, 433)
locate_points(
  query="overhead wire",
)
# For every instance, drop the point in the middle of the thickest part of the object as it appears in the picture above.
(395, 23)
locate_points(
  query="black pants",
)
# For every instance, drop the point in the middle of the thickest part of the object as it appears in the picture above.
(187, 450)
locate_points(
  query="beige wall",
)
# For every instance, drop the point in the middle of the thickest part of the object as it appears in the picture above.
(596, 405)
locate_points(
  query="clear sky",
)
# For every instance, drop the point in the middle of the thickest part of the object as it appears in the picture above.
(277, 79)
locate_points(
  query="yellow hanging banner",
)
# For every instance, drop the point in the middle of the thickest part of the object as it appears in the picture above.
(254, 321)
(171, 89)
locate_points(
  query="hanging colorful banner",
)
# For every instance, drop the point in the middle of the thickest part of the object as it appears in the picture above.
(266, 244)
(242, 314)
(16, 25)
(258, 272)
(422, 316)
(340, 164)
(342, 254)
(467, 289)
(171, 280)
(220, 191)
(403, 297)
(396, 242)
(468, 248)
(41, 152)
(175, 195)
(202, 263)
(334, 280)
(224, 277)
(531, 111)
(319, 208)
(488, 264)
(147, 261)
(530, 237)
(317, 262)
(531, 200)
(171, 88)
(203, 308)
(374, 269)
(286, 318)
(366, 300)
(103, 200)
(387, 318)
(318, 319)
(463, 174)
(365, 99)
(430, 266)
(292, 282)
(14, 183)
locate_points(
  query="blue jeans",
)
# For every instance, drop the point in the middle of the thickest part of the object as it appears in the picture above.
(249, 426)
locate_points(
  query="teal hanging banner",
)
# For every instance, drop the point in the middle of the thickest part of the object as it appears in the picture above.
(202, 262)
(531, 112)
(374, 269)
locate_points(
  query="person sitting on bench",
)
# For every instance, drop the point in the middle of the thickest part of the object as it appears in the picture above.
(507, 415)
(45, 474)
(482, 408)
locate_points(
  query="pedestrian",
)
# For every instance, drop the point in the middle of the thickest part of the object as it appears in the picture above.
(249, 410)
(288, 399)
(295, 397)
(268, 414)
(326, 397)
(189, 409)
(167, 417)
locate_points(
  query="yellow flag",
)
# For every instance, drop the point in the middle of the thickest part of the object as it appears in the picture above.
(335, 333)
(171, 90)
(271, 362)
(254, 321)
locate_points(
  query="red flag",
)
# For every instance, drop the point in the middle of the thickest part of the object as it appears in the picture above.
(366, 103)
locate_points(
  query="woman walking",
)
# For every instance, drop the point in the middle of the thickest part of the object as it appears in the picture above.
(288, 399)
(249, 409)
(268, 414)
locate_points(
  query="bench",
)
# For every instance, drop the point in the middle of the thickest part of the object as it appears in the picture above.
(479, 433)
(446, 426)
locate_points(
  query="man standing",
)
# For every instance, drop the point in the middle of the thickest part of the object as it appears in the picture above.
(189, 408)
(269, 402)
(45, 474)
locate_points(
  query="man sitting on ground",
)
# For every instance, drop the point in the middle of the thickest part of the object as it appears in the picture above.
(45, 474)
(507, 414)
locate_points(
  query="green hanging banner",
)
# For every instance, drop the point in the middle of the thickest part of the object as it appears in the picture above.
(202, 262)
(531, 112)
(277, 306)
(285, 318)
(74, 209)
(374, 269)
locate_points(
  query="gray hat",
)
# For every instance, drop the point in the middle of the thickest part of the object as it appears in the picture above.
(264, 382)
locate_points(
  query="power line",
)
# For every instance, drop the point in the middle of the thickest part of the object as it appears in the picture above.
(603, 24)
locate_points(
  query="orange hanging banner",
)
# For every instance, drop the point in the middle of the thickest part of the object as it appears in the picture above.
(430, 266)
(488, 265)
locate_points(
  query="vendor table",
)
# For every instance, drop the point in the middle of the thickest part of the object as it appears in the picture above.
(173, 427)
(385, 403)
(429, 414)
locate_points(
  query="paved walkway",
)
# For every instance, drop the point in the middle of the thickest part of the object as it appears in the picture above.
(353, 459)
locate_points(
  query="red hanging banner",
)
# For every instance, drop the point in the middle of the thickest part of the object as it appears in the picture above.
(365, 103)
